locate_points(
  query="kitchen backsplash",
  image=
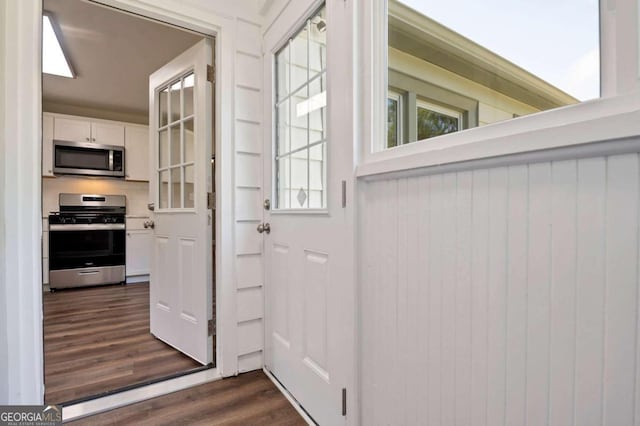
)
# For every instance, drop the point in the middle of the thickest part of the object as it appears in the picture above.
(137, 192)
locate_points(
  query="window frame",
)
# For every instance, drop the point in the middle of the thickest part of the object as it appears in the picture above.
(582, 123)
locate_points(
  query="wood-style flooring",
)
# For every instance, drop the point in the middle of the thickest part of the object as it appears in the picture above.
(249, 399)
(97, 340)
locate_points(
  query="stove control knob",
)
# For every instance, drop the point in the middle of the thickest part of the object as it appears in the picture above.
(73, 220)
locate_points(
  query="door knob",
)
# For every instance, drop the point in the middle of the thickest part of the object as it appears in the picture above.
(264, 227)
(149, 224)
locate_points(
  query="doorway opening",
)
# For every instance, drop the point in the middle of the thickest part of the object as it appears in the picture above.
(97, 338)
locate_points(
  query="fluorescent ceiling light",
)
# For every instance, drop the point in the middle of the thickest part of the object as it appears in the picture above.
(54, 60)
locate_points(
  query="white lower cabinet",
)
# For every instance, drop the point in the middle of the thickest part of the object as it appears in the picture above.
(138, 252)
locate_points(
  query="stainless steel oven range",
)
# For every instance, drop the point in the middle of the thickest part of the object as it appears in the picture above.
(87, 241)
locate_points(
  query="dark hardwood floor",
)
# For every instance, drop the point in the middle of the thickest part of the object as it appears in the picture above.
(249, 399)
(97, 340)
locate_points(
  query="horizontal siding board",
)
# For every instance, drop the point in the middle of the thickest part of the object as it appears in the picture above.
(250, 304)
(250, 362)
(250, 337)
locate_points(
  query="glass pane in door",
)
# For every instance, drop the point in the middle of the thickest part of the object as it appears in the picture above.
(176, 188)
(188, 86)
(176, 144)
(301, 118)
(163, 193)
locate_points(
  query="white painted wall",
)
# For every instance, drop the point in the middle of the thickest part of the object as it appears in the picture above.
(503, 295)
(20, 193)
(4, 347)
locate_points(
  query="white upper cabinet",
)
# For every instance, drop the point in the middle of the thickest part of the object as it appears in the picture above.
(84, 130)
(137, 152)
(107, 133)
(71, 129)
(47, 145)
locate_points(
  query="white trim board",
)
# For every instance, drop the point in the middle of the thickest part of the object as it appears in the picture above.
(121, 399)
(589, 122)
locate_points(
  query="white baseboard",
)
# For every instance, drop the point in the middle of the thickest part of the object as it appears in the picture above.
(137, 279)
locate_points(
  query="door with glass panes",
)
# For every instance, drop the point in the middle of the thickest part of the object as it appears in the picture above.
(180, 120)
(305, 243)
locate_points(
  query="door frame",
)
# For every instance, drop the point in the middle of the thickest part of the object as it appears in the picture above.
(24, 381)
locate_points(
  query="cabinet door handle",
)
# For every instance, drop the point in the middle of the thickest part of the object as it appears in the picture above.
(88, 139)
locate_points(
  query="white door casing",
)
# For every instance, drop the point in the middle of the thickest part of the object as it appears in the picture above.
(180, 178)
(309, 344)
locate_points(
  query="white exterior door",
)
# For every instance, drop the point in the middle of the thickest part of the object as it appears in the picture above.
(308, 264)
(180, 121)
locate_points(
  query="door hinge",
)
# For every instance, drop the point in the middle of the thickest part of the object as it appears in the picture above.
(211, 327)
(211, 201)
(211, 74)
(344, 401)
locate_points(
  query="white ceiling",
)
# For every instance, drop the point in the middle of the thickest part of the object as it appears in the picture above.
(113, 54)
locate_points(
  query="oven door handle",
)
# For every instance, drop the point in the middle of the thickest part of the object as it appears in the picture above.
(88, 272)
(87, 227)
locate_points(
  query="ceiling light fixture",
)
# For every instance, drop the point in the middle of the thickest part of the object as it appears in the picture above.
(54, 61)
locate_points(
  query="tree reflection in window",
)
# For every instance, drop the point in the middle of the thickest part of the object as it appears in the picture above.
(392, 123)
(432, 123)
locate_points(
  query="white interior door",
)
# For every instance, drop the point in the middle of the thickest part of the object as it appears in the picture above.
(180, 120)
(307, 251)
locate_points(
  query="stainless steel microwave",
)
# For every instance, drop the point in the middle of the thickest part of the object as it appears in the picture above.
(89, 159)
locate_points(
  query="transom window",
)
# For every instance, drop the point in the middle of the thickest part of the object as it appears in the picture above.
(176, 163)
(300, 152)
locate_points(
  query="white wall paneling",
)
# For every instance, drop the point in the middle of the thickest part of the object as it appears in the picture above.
(502, 295)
